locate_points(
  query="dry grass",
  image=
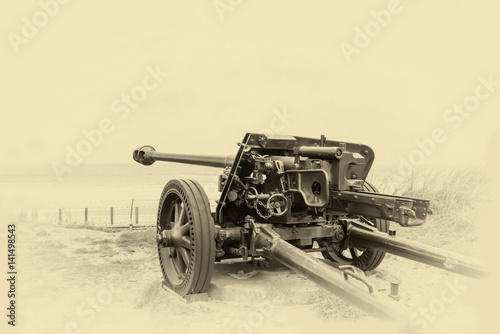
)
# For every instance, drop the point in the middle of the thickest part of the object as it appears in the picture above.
(448, 189)
(143, 238)
(89, 226)
(457, 197)
(333, 307)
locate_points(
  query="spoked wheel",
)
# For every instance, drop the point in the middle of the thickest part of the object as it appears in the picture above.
(364, 259)
(186, 232)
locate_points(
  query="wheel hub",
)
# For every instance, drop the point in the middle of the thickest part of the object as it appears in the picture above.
(170, 238)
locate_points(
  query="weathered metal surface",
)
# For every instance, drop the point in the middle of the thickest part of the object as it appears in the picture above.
(147, 155)
(405, 211)
(440, 258)
(328, 277)
(283, 197)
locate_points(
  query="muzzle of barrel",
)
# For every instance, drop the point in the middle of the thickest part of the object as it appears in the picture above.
(143, 155)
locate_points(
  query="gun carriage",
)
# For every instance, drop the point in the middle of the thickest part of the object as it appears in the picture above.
(283, 197)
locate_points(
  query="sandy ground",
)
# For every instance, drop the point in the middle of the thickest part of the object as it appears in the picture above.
(90, 281)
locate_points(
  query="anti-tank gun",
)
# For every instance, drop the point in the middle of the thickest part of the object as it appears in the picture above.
(281, 198)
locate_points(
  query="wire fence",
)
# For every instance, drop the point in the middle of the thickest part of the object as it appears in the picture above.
(104, 213)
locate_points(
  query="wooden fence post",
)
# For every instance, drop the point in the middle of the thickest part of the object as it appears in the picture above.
(136, 215)
(86, 215)
(131, 211)
(111, 213)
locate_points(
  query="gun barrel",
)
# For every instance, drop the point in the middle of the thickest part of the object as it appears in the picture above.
(147, 155)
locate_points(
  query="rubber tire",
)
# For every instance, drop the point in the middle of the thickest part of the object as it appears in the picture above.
(202, 234)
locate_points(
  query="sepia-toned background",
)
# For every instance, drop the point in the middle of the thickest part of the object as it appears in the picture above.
(85, 82)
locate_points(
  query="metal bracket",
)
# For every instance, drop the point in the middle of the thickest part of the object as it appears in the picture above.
(243, 252)
(349, 270)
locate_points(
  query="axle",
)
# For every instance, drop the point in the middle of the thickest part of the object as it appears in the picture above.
(360, 236)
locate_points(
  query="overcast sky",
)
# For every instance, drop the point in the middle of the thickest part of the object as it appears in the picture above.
(233, 69)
